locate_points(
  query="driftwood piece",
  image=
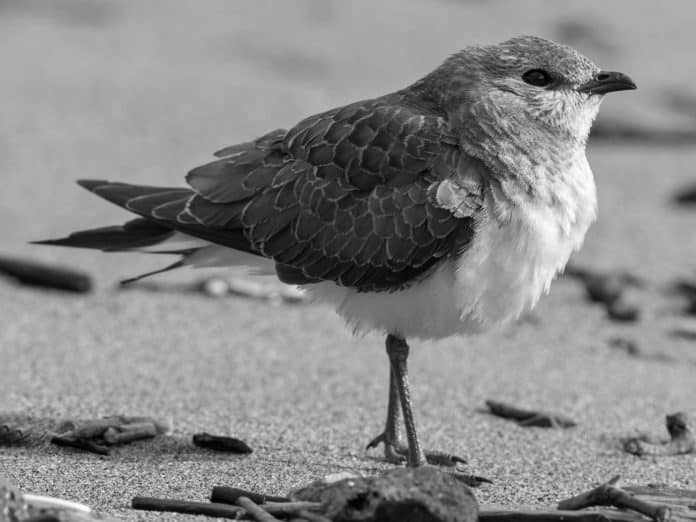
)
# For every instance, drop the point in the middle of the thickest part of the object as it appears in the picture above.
(257, 512)
(681, 439)
(80, 443)
(608, 494)
(529, 417)
(217, 509)
(229, 495)
(11, 434)
(190, 508)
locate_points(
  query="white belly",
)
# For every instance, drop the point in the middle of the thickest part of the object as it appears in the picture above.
(502, 274)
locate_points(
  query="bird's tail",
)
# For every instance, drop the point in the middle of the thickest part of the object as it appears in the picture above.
(162, 229)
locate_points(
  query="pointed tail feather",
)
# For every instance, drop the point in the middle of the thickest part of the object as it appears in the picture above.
(137, 233)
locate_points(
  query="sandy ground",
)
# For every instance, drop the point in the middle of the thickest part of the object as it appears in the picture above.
(141, 92)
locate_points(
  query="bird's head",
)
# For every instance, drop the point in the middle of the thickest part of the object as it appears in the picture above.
(541, 85)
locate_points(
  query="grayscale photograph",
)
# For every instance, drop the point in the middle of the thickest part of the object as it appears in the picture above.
(349, 261)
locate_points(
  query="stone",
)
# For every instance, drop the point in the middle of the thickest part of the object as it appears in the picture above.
(422, 494)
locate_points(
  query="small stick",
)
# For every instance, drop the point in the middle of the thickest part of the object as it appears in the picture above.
(129, 433)
(44, 502)
(221, 443)
(312, 517)
(14, 434)
(163, 427)
(83, 444)
(229, 495)
(217, 508)
(541, 516)
(528, 417)
(190, 508)
(88, 429)
(257, 512)
(608, 494)
(290, 508)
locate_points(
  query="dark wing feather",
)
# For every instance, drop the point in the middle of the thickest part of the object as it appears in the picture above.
(346, 196)
(371, 196)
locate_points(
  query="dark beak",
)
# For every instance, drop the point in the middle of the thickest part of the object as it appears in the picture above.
(607, 81)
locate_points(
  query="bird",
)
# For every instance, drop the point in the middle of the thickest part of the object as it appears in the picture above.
(443, 208)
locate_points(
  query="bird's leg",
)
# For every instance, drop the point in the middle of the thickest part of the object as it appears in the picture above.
(391, 436)
(394, 451)
(397, 350)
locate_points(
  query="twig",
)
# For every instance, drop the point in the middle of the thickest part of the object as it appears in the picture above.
(290, 508)
(217, 508)
(79, 443)
(608, 494)
(221, 443)
(190, 508)
(540, 516)
(681, 439)
(10, 434)
(312, 517)
(44, 502)
(257, 512)
(229, 495)
(129, 433)
(529, 417)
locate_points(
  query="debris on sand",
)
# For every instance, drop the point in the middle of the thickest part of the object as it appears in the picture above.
(609, 494)
(686, 289)
(529, 418)
(686, 196)
(400, 494)
(681, 439)
(16, 506)
(630, 347)
(96, 435)
(609, 288)
(221, 443)
(43, 275)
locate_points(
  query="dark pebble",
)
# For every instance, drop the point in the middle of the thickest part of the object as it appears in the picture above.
(221, 443)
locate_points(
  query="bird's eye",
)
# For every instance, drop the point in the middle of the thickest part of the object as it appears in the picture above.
(537, 77)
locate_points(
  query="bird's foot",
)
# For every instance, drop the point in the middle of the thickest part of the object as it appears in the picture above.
(396, 453)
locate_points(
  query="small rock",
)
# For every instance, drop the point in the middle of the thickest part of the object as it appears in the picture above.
(400, 495)
(604, 288)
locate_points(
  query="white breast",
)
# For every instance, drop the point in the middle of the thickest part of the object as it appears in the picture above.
(503, 273)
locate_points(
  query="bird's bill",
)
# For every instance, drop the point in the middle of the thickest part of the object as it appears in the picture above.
(607, 81)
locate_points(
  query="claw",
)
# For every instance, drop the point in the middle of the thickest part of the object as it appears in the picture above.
(473, 481)
(376, 441)
(393, 452)
(440, 458)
